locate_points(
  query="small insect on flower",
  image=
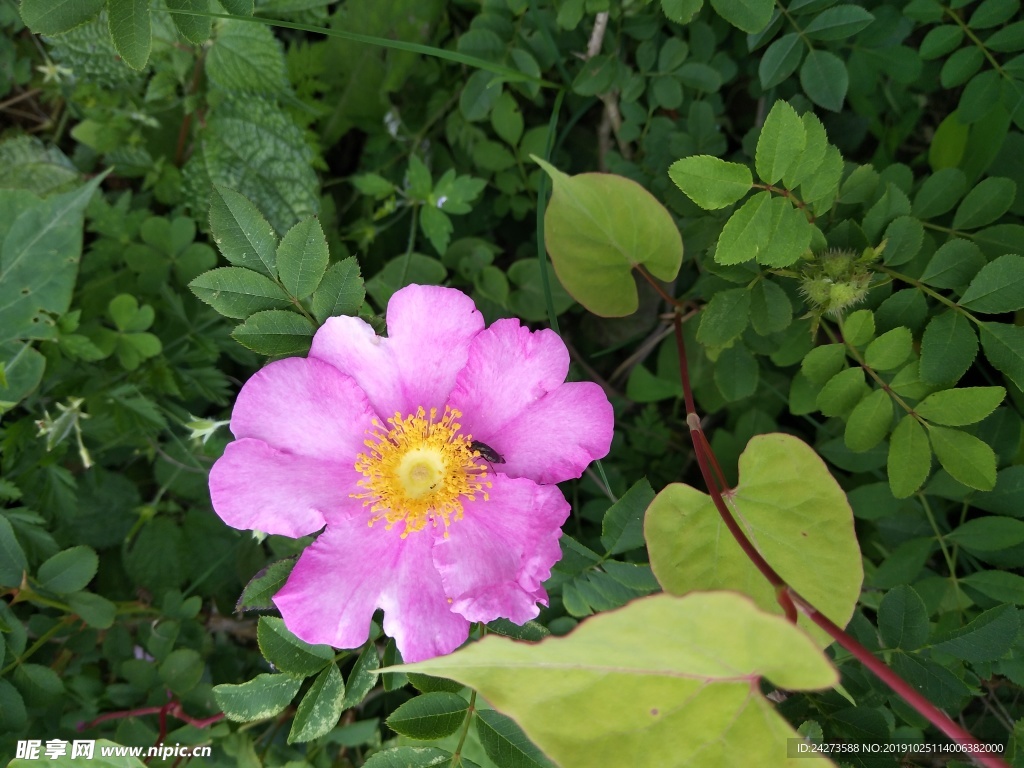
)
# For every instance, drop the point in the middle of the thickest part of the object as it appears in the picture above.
(486, 452)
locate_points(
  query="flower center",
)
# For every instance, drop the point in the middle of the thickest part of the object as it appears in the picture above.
(418, 471)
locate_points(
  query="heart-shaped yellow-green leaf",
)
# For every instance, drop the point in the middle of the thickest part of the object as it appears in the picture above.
(791, 509)
(598, 227)
(664, 682)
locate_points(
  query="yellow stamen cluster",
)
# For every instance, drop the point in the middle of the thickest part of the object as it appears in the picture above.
(418, 471)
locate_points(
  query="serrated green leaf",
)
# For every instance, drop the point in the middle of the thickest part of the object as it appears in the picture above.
(195, 29)
(869, 422)
(768, 229)
(941, 40)
(749, 15)
(823, 362)
(12, 557)
(275, 332)
(904, 237)
(736, 373)
(780, 144)
(838, 23)
(181, 670)
(411, 757)
(598, 227)
(842, 392)
(889, 350)
(429, 716)
(903, 619)
(341, 292)
(689, 660)
(724, 318)
(965, 457)
(242, 234)
(262, 697)
(910, 458)
(780, 60)
(770, 308)
(954, 264)
(989, 200)
(506, 744)
(824, 79)
(948, 347)
(264, 585)
(1004, 348)
(362, 678)
(52, 17)
(96, 611)
(987, 638)
(246, 58)
(989, 534)
(320, 708)
(998, 287)
(237, 292)
(997, 585)
(69, 571)
(287, 652)
(622, 528)
(131, 31)
(859, 327)
(711, 182)
(939, 192)
(302, 258)
(960, 407)
(814, 155)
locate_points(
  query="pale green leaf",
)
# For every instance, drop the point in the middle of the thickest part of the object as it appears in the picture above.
(780, 144)
(320, 708)
(711, 182)
(889, 350)
(287, 652)
(965, 457)
(262, 697)
(948, 348)
(869, 422)
(910, 458)
(960, 407)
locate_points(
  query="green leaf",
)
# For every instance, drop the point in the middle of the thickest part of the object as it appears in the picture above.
(948, 348)
(869, 422)
(842, 392)
(824, 79)
(903, 619)
(195, 29)
(622, 528)
(362, 678)
(780, 60)
(770, 308)
(910, 458)
(789, 504)
(275, 332)
(997, 585)
(965, 457)
(12, 557)
(697, 662)
(129, 25)
(989, 200)
(436, 226)
(429, 716)
(264, 585)
(736, 373)
(998, 287)
(341, 292)
(507, 119)
(598, 227)
(411, 757)
(287, 652)
(238, 7)
(823, 362)
(506, 744)
(182, 670)
(480, 94)
(987, 638)
(320, 708)
(39, 259)
(52, 17)
(940, 41)
(889, 350)
(246, 58)
(749, 15)
(69, 571)
(940, 191)
(814, 158)
(241, 233)
(237, 292)
(302, 258)
(953, 264)
(724, 318)
(1004, 348)
(780, 144)
(858, 328)
(904, 237)
(711, 182)
(960, 407)
(989, 534)
(838, 23)
(96, 611)
(681, 11)
(262, 697)
(768, 229)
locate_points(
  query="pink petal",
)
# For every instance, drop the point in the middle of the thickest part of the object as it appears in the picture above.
(494, 560)
(429, 332)
(305, 407)
(254, 485)
(353, 569)
(512, 397)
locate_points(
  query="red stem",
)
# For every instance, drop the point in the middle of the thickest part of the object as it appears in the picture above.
(172, 708)
(789, 598)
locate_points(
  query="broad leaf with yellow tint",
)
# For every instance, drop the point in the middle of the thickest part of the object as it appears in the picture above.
(664, 682)
(791, 509)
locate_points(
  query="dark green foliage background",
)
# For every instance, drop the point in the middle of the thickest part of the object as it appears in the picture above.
(418, 169)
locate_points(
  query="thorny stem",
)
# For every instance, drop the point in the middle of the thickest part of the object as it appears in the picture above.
(790, 599)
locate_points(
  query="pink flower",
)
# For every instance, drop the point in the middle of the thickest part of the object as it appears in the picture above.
(377, 439)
